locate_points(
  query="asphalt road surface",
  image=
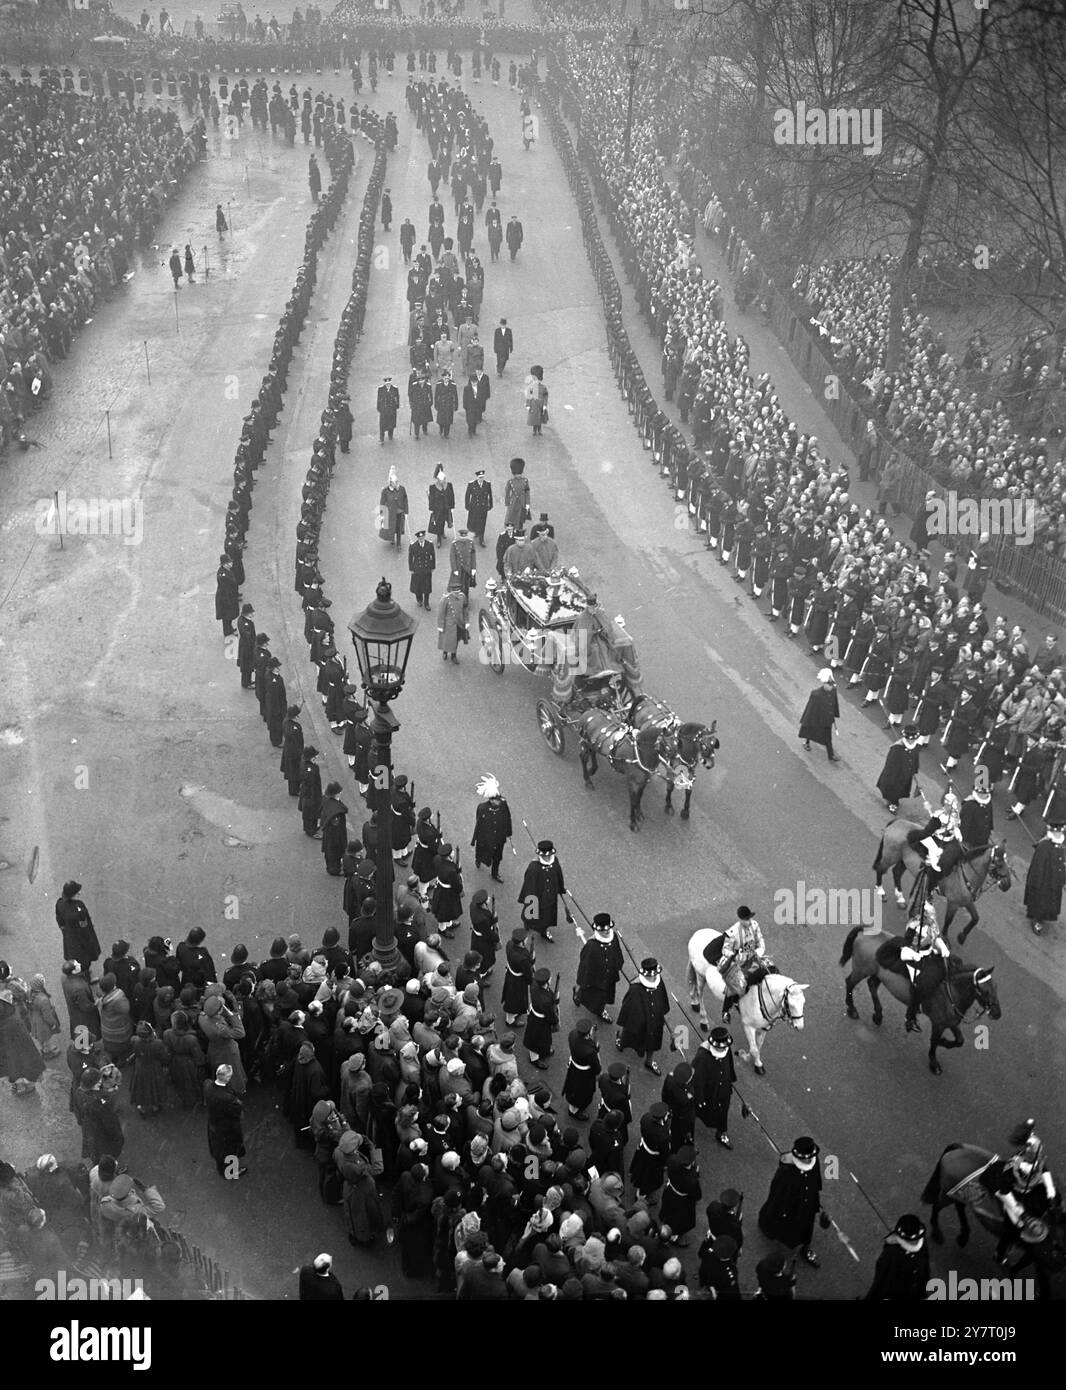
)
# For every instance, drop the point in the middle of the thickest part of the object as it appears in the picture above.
(133, 760)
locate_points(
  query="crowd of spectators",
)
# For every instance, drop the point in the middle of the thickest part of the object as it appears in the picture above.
(82, 185)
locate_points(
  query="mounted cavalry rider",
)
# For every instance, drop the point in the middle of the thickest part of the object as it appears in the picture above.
(923, 954)
(743, 961)
(1022, 1185)
(939, 842)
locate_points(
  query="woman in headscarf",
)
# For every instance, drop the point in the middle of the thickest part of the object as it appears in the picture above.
(309, 1086)
(359, 1165)
(185, 1059)
(44, 1021)
(412, 1202)
(148, 1082)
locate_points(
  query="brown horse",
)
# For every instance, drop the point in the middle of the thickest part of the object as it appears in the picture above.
(640, 754)
(945, 1008)
(1043, 1239)
(689, 743)
(960, 888)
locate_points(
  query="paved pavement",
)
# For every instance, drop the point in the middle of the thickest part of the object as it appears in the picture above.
(113, 663)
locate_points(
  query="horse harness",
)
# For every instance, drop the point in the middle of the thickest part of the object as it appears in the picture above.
(786, 1011)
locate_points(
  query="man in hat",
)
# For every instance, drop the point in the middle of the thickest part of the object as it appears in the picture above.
(492, 827)
(678, 1094)
(718, 1267)
(392, 510)
(388, 406)
(408, 237)
(246, 645)
(776, 1278)
(502, 339)
(681, 1192)
(225, 1137)
(463, 560)
(919, 532)
(713, 1078)
(478, 503)
(453, 622)
(445, 397)
(599, 967)
(79, 935)
(1022, 1185)
(516, 497)
(421, 561)
(794, 1200)
(820, 714)
(543, 1019)
(743, 959)
(902, 1271)
(583, 1067)
(542, 887)
(615, 1094)
(518, 978)
(896, 781)
(518, 558)
(542, 546)
(1045, 880)
(642, 1017)
(976, 820)
(345, 422)
(607, 1142)
(318, 1283)
(647, 1168)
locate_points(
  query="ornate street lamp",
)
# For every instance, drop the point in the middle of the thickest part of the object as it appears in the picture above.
(382, 636)
(634, 48)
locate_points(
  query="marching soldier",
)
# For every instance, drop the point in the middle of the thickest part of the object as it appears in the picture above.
(718, 1267)
(543, 1019)
(478, 503)
(542, 887)
(1030, 778)
(421, 561)
(794, 1200)
(799, 589)
(583, 1067)
(897, 778)
(961, 730)
(681, 1192)
(713, 1078)
(518, 977)
(492, 827)
(388, 406)
(403, 820)
(902, 1271)
(647, 1167)
(463, 560)
(446, 402)
(615, 1094)
(932, 707)
(599, 967)
(642, 1017)
(1046, 879)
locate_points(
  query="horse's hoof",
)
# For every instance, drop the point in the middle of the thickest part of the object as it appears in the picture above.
(877, 1020)
(684, 815)
(936, 1068)
(669, 810)
(962, 1239)
(937, 1236)
(901, 901)
(852, 1011)
(879, 891)
(760, 1070)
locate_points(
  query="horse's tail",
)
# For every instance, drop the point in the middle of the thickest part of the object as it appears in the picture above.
(879, 854)
(931, 1191)
(849, 945)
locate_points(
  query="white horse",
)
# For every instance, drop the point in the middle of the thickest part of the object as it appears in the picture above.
(775, 998)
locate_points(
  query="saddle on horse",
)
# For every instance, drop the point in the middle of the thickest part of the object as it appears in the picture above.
(931, 971)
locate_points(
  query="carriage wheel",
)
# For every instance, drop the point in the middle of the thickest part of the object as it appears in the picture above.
(491, 644)
(551, 726)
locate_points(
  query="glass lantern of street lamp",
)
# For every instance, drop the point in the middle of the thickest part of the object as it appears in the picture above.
(634, 48)
(382, 635)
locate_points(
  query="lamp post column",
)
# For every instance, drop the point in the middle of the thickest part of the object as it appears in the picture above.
(629, 117)
(385, 724)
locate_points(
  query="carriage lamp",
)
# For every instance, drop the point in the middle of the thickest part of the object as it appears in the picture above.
(382, 636)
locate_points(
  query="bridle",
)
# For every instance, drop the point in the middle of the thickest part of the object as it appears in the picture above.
(979, 996)
(784, 1006)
